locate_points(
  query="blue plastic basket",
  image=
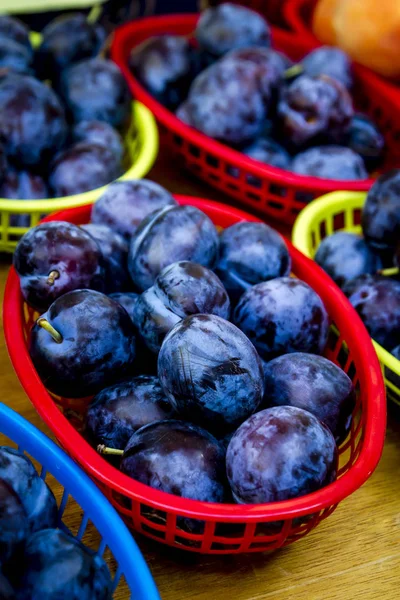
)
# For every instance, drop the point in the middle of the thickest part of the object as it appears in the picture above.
(114, 537)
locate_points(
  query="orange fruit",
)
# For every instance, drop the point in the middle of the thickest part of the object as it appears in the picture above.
(322, 22)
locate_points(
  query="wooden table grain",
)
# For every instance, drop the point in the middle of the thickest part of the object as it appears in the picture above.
(353, 555)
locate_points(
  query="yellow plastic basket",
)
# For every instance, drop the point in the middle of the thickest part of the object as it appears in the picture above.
(341, 211)
(142, 145)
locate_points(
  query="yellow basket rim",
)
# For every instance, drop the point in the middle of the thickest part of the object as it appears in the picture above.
(147, 131)
(317, 210)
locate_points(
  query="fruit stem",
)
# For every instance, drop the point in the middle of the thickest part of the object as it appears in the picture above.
(53, 275)
(389, 272)
(57, 337)
(102, 449)
(294, 71)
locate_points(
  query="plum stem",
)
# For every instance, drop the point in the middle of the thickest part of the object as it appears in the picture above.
(102, 449)
(389, 272)
(294, 71)
(57, 337)
(53, 275)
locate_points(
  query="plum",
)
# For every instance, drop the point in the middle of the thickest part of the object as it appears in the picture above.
(178, 458)
(14, 526)
(127, 300)
(118, 411)
(313, 109)
(365, 139)
(32, 120)
(346, 255)
(58, 566)
(95, 89)
(6, 591)
(211, 372)
(281, 316)
(67, 39)
(268, 152)
(166, 66)
(81, 168)
(101, 134)
(377, 301)
(181, 289)
(250, 253)
(15, 30)
(23, 185)
(14, 56)
(312, 383)
(39, 504)
(72, 348)
(330, 61)
(381, 213)
(125, 204)
(330, 162)
(280, 453)
(114, 250)
(169, 235)
(236, 120)
(54, 258)
(229, 26)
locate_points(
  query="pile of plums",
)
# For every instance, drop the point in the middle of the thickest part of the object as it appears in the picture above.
(62, 139)
(232, 86)
(198, 353)
(355, 262)
(37, 560)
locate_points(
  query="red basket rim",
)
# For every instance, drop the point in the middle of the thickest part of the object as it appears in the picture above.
(121, 39)
(367, 366)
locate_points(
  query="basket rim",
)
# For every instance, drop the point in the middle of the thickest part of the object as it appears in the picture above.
(85, 492)
(148, 132)
(121, 38)
(359, 472)
(291, 12)
(317, 210)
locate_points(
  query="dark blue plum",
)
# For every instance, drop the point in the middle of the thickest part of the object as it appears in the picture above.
(312, 383)
(15, 56)
(280, 453)
(35, 495)
(236, 120)
(330, 162)
(14, 526)
(181, 289)
(269, 152)
(377, 301)
(330, 61)
(313, 109)
(100, 133)
(23, 185)
(32, 120)
(229, 26)
(381, 213)
(118, 411)
(211, 372)
(281, 316)
(178, 458)
(15, 30)
(91, 345)
(169, 235)
(114, 250)
(81, 168)
(57, 566)
(6, 591)
(54, 258)
(250, 253)
(346, 255)
(67, 39)
(366, 140)
(95, 89)
(127, 300)
(166, 66)
(125, 204)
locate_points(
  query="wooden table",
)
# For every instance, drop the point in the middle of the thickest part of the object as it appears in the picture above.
(354, 554)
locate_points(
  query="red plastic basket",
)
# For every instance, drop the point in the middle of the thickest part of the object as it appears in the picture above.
(224, 528)
(270, 191)
(298, 16)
